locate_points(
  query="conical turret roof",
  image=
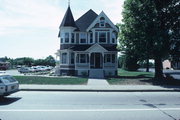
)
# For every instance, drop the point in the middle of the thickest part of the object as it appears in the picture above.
(68, 20)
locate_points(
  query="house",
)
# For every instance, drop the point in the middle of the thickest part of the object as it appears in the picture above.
(88, 45)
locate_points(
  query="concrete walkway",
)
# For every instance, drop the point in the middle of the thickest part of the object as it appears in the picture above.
(97, 82)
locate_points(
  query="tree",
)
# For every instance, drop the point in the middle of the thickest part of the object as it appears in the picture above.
(23, 61)
(145, 30)
(50, 61)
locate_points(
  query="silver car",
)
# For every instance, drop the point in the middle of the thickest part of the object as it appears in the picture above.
(8, 85)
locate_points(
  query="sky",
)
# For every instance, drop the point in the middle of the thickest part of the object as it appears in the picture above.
(29, 28)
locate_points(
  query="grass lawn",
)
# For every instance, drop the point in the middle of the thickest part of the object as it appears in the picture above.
(51, 80)
(133, 78)
(124, 73)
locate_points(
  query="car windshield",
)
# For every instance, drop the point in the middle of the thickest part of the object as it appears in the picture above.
(7, 79)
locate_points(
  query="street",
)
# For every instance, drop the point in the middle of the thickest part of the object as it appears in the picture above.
(91, 106)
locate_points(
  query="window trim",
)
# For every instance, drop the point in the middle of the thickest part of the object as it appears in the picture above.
(79, 58)
(99, 37)
(67, 37)
(80, 37)
(113, 37)
(102, 22)
(72, 37)
(111, 58)
(91, 38)
(62, 60)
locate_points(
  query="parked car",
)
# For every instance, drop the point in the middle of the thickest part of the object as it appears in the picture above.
(24, 70)
(8, 85)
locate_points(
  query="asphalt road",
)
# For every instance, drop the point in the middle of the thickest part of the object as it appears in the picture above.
(91, 106)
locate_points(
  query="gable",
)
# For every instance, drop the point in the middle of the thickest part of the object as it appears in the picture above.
(108, 22)
(96, 48)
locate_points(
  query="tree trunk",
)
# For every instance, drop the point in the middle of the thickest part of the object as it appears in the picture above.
(158, 68)
(147, 65)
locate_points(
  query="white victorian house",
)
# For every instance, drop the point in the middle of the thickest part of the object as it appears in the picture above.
(88, 45)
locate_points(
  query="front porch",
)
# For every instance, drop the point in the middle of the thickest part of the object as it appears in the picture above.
(89, 63)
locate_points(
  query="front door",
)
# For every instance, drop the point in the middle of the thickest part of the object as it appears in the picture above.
(96, 60)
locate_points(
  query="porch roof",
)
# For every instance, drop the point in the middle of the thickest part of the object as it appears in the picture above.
(85, 47)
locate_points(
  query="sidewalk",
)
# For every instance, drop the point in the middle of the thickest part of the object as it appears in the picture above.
(99, 88)
(97, 82)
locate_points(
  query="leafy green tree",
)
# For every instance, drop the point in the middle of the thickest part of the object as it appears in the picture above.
(50, 61)
(145, 30)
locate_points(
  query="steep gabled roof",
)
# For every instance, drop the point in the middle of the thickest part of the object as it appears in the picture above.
(86, 20)
(68, 20)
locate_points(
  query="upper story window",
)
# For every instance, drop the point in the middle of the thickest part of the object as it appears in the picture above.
(91, 37)
(102, 37)
(72, 37)
(113, 38)
(102, 22)
(83, 38)
(66, 37)
(62, 37)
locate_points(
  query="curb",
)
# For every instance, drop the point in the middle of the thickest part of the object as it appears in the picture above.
(96, 90)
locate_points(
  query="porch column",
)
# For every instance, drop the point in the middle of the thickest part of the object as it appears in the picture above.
(116, 60)
(103, 60)
(89, 60)
(75, 62)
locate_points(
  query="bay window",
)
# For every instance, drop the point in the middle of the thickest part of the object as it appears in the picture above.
(64, 58)
(66, 37)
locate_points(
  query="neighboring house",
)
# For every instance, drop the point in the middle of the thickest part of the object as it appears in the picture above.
(88, 45)
(4, 65)
(166, 64)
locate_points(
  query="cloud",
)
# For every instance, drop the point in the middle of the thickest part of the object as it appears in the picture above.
(29, 13)
(27, 24)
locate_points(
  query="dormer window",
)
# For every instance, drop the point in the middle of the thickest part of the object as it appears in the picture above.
(102, 22)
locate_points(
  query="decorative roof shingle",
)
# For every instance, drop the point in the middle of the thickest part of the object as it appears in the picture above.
(85, 21)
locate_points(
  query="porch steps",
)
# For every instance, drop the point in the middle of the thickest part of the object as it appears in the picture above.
(96, 73)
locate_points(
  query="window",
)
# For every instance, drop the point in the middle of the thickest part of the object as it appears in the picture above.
(64, 58)
(91, 37)
(82, 38)
(102, 22)
(62, 38)
(102, 37)
(109, 58)
(72, 37)
(82, 58)
(72, 58)
(113, 37)
(66, 37)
